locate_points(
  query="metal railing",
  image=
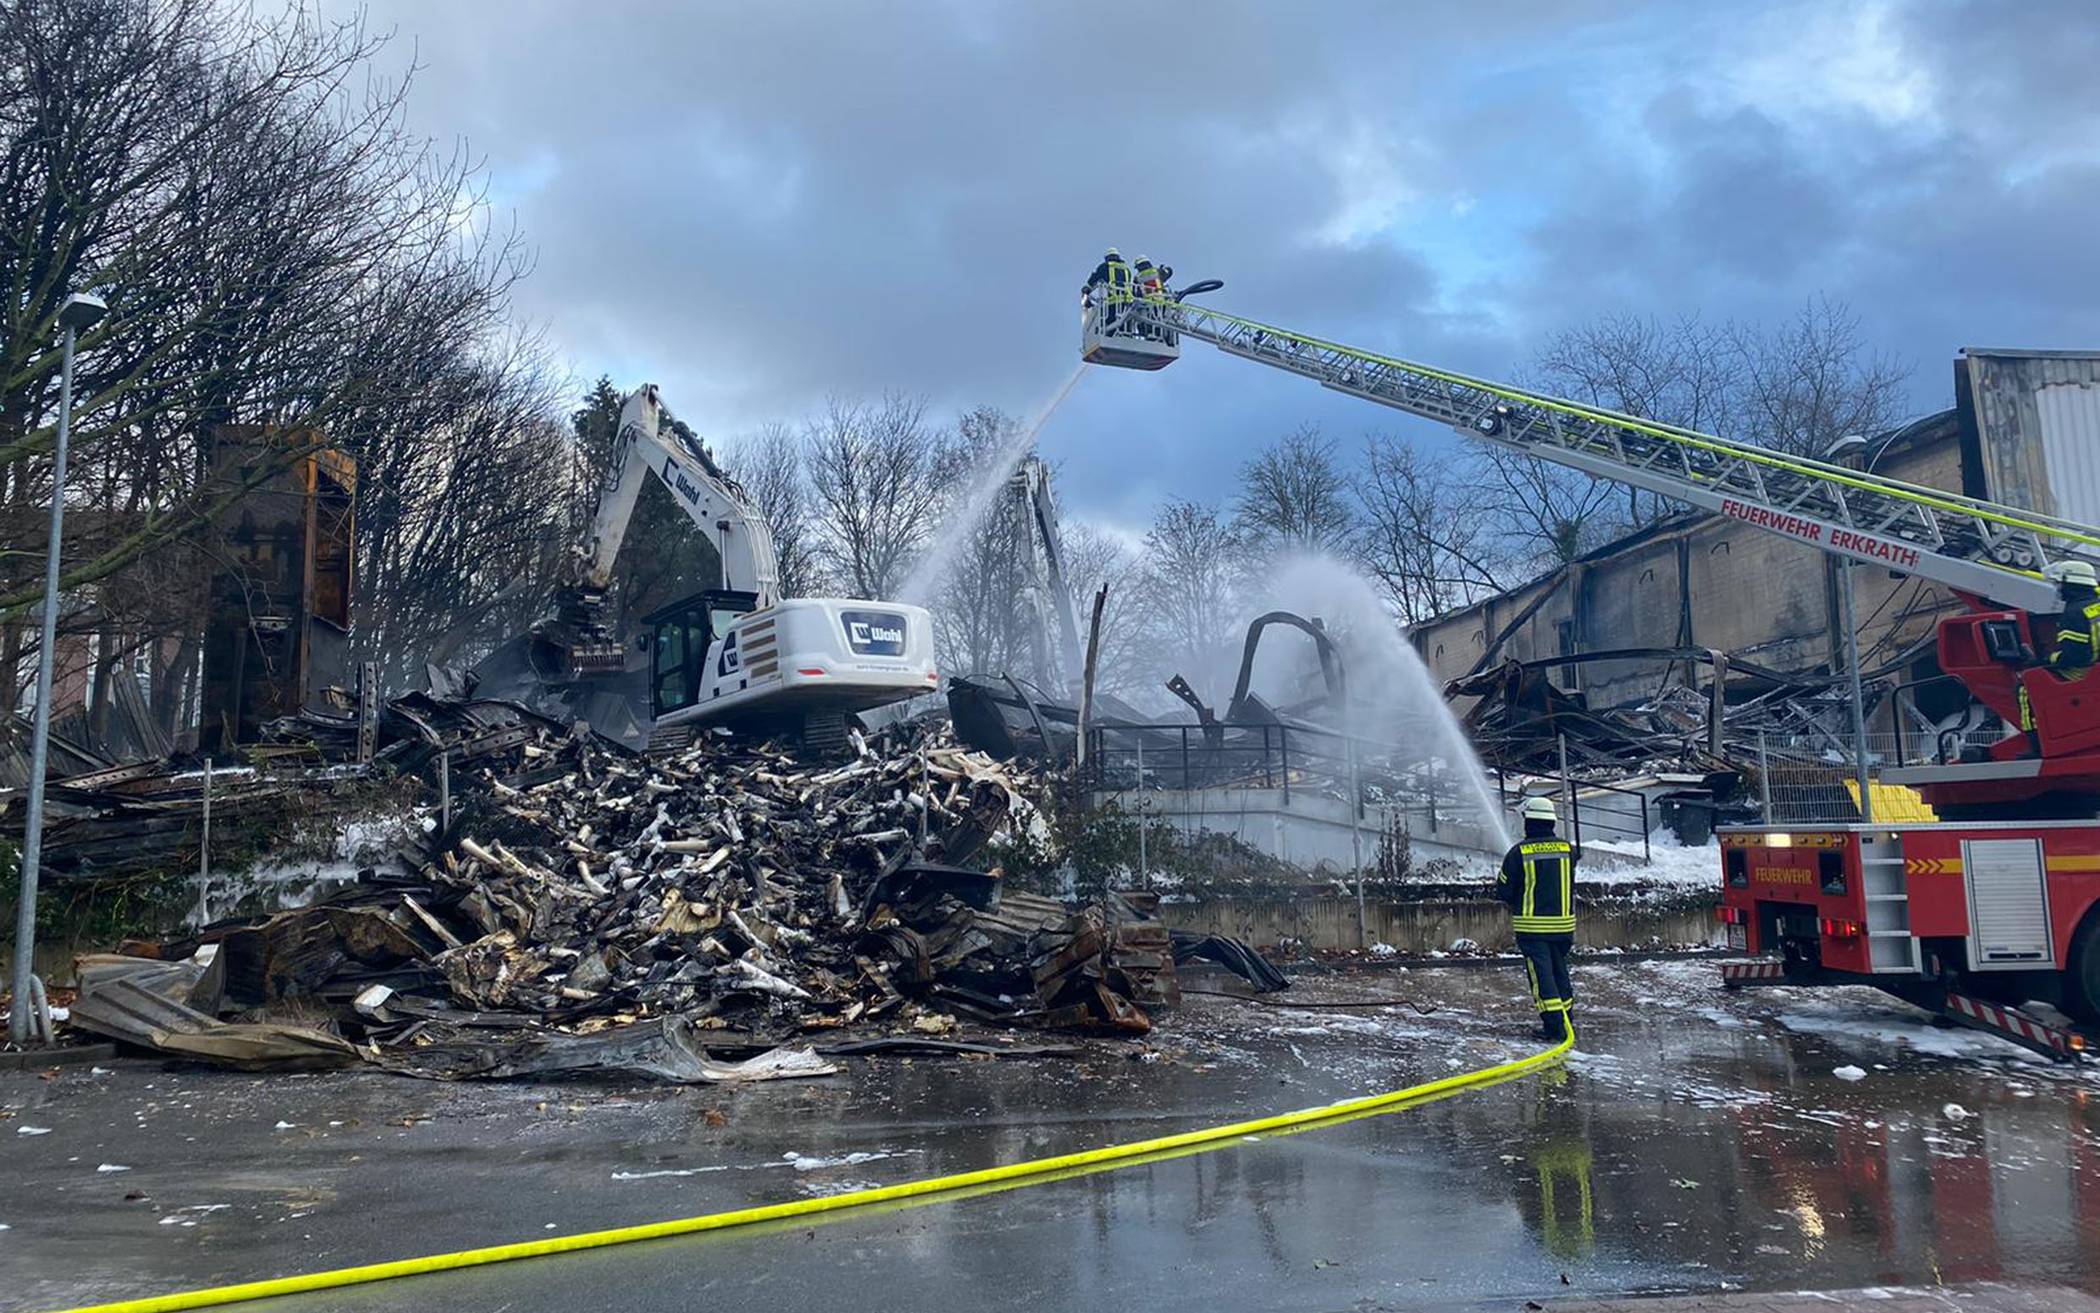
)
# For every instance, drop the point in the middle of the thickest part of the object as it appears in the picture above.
(1288, 758)
(1349, 768)
(1611, 820)
(1230, 753)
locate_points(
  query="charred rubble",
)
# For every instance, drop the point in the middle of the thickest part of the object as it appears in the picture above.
(579, 909)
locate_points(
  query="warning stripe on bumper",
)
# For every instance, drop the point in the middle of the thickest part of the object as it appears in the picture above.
(2017, 1025)
(1731, 971)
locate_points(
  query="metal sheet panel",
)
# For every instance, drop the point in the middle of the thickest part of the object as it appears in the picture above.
(2008, 904)
(2037, 423)
(2070, 421)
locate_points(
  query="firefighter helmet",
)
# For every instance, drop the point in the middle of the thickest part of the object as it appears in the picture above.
(2074, 572)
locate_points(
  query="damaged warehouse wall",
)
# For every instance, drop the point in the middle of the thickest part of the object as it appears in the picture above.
(1681, 583)
(2014, 436)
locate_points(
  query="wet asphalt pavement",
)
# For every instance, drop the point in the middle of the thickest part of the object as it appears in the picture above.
(1701, 1141)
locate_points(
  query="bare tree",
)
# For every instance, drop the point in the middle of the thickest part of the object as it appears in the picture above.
(459, 543)
(1685, 373)
(1094, 557)
(1810, 381)
(979, 609)
(1549, 514)
(1796, 387)
(1191, 563)
(873, 472)
(1294, 497)
(278, 252)
(1424, 533)
(768, 464)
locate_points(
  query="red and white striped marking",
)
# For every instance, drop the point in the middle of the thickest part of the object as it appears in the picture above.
(1740, 973)
(2017, 1026)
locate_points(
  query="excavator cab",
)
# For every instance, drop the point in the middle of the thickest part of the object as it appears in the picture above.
(1108, 335)
(680, 638)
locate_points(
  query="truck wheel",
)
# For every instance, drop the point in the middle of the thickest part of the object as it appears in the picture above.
(2081, 984)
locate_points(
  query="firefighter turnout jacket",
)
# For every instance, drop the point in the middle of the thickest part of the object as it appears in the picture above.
(2077, 634)
(1538, 883)
(1118, 279)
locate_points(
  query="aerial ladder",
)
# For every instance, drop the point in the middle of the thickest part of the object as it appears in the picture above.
(1968, 916)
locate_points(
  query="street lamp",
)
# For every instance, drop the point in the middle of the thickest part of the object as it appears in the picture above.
(1852, 448)
(80, 310)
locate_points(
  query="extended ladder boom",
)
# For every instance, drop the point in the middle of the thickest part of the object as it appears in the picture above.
(1974, 546)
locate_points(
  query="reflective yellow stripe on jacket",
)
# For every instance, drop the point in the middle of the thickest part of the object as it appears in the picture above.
(1548, 906)
(2090, 635)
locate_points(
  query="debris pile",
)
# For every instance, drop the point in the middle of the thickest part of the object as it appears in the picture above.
(1796, 725)
(114, 819)
(592, 910)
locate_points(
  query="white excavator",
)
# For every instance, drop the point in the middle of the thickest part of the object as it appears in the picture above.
(738, 655)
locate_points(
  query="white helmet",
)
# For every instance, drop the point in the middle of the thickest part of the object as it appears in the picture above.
(1539, 809)
(2073, 572)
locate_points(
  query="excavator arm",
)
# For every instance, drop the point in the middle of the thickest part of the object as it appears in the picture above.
(740, 654)
(713, 501)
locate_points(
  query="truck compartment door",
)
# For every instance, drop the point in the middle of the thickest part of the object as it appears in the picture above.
(2008, 904)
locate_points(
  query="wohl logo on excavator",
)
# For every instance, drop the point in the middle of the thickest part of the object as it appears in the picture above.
(675, 479)
(874, 633)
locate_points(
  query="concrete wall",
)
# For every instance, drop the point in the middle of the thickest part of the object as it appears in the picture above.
(1329, 923)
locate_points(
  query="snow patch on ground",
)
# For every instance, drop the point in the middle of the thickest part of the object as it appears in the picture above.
(286, 882)
(827, 1188)
(795, 1161)
(812, 1163)
(1611, 862)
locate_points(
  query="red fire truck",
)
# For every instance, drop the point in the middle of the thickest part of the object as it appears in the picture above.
(1990, 908)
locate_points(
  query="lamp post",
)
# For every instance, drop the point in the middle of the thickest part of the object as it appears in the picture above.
(79, 311)
(1854, 446)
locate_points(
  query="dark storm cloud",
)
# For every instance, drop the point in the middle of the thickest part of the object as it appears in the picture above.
(759, 204)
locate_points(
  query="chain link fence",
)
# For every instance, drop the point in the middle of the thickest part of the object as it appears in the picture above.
(1814, 778)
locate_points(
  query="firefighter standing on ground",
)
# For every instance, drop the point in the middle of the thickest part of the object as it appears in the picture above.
(2077, 633)
(1538, 883)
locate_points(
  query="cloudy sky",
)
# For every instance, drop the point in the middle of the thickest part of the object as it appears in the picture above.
(759, 204)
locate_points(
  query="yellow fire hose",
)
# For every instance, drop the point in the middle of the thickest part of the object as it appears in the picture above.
(948, 1188)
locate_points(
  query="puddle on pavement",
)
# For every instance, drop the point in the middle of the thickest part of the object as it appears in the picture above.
(1701, 1141)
